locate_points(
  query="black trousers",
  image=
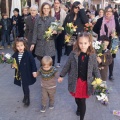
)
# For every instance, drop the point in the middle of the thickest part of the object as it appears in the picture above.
(68, 49)
(59, 41)
(26, 90)
(111, 66)
(81, 107)
(40, 58)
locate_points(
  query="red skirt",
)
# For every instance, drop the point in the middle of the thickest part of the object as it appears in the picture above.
(81, 89)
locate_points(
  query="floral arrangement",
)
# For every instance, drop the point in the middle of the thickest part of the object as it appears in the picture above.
(100, 90)
(88, 27)
(7, 58)
(98, 46)
(70, 29)
(55, 26)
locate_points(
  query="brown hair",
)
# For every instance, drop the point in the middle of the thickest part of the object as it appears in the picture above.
(100, 10)
(17, 40)
(41, 10)
(109, 7)
(90, 49)
(47, 60)
(4, 14)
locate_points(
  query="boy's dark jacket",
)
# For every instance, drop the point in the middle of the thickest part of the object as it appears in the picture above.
(26, 68)
(9, 25)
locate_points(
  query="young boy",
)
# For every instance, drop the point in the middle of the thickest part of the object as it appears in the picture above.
(48, 75)
(106, 59)
(6, 29)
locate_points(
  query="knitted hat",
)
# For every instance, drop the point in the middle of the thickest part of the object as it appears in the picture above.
(16, 9)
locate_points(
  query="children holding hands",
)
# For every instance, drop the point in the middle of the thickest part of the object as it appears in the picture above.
(81, 67)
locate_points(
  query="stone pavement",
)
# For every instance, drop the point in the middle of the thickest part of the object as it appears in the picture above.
(11, 106)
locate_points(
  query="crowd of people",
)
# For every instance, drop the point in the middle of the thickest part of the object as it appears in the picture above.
(82, 64)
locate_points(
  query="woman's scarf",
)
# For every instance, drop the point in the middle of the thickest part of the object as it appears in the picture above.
(109, 24)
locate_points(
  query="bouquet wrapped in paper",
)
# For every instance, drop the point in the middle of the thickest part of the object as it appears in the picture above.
(98, 46)
(100, 90)
(55, 26)
(70, 29)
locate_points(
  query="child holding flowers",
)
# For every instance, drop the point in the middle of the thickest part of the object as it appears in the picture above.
(81, 66)
(105, 59)
(25, 68)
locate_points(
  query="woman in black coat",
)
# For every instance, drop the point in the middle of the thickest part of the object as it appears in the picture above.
(78, 17)
(105, 26)
(26, 68)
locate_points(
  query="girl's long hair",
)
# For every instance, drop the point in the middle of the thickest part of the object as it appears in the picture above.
(41, 10)
(75, 4)
(90, 49)
(19, 40)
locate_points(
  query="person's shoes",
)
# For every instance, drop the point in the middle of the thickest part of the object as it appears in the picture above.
(43, 109)
(51, 106)
(1, 47)
(58, 65)
(8, 46)
(27, 101)
(111, 78)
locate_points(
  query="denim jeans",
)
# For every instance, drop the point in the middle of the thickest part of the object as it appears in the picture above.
(5, 37)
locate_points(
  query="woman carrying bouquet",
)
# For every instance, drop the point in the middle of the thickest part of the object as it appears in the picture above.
(78, 17)
(105, 26)
(43, 47)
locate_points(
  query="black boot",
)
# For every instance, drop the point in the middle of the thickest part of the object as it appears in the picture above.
(27, 100)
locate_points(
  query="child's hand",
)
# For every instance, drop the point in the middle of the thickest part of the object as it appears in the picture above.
(99, 59)
(14, 66)
(60, 79)
(34, 74)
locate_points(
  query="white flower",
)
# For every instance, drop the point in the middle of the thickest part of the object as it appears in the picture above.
(8, 56)
(102, 96)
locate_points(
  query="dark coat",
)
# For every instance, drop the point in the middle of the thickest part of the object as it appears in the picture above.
(18, 25)
(106, 61)
(43, 47)
(80, 21)
(29, 29)
(98, 25)
(26, 67)
(9, 25)
(71, 67)
(23, 18)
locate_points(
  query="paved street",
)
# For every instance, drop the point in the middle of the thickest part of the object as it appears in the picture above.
(11, 106)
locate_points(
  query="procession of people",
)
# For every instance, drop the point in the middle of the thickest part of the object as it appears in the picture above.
(80, 28)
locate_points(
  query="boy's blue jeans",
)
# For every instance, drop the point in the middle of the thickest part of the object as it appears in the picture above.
(5, 37)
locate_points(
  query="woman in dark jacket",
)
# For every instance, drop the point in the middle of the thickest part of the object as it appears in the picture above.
(78, 17)
(43, 47)
(16, 24)
(105, 26)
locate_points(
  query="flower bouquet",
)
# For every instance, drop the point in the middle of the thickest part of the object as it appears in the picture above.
(115, 42)
(88, 27)
(98, 46)
(100, 90)
(70, 29)
(55, 26)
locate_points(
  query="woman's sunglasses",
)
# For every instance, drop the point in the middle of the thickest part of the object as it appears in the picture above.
(76, 7)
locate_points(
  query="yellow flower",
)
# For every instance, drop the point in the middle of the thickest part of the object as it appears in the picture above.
(96, 82)
(100, 54)
(67, 38)
(69, 25)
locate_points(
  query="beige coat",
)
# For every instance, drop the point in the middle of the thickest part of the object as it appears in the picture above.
(62, 15)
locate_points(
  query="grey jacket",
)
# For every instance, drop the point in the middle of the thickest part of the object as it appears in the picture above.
(71, 67)
(43, 47)
(29, 29)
